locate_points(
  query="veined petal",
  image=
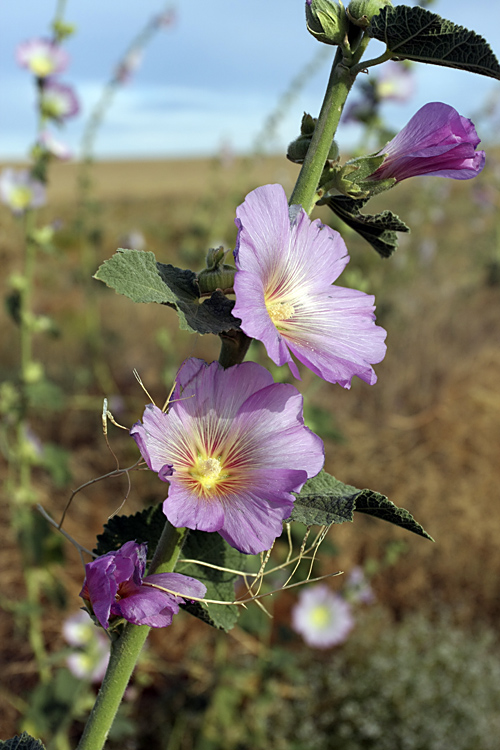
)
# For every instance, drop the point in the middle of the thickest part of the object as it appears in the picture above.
(436, 141)
(285, 298)
(238, 447)
(185, 586)
(148, 606)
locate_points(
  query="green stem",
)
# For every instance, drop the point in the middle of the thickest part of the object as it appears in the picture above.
(234, 346)
(387, 55)
(339, 85)
(125, 651)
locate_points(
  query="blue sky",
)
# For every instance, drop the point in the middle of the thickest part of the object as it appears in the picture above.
(209, 80)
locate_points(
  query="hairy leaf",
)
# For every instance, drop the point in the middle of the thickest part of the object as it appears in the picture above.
(144, 526)
(22, 741)
(135, 274)
(138, 275)
(420, 35)
(325, 500)
(212, 316)
(374, 504)
(377, 229)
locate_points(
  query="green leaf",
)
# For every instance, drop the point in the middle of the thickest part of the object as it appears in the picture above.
(144, 526)
(147, 526)
(134, 273)
(138, 275)
(420, 35)
(377, 229)
(213, 549)
(374, 504)
(325, 500)
(22, 741)
(212, 316)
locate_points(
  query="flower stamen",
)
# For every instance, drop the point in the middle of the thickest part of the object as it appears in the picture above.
(280, 311)
(207, 472)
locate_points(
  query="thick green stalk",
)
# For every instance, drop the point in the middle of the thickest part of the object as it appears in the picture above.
(125, 651)
(339, 85)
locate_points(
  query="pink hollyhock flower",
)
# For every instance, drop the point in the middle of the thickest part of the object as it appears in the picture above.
(286, 265)
(115, 586)
(20, 191)
(54, 147)
(42, 57)
(59, 101)
(233, 447)
(436, 141)
(322, 618)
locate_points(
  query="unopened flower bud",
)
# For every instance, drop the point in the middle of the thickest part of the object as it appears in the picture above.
(326, 21)
(298, 148)
(361, 12)
(217, 274)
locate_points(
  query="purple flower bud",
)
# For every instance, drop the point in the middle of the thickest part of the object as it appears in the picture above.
(436, 141)
(114, 585)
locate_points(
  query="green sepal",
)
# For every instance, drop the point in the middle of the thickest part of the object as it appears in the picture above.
(147, 526)
(137, 275)
(420, 35)
(352, 179)
(377, 229)
(325, 500)
(22, 741)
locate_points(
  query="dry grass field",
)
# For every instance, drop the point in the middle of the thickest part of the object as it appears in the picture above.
(427, 435)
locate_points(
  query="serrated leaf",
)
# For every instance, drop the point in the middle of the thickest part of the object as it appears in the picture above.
(374, 504)
(420, 35)
(22, 741)
(325, 500)
(147, 526)
(134, 273)
(377, 229)
(144, 526)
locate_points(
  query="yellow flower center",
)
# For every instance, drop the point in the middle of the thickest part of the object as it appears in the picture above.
(207, 471)
(41, 65)
(280, 311)
(320, 616)
(20, 198)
